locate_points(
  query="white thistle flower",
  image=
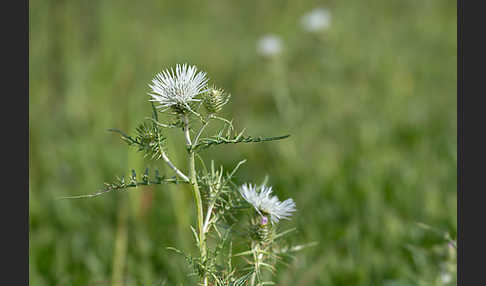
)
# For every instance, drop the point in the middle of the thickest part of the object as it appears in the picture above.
(266, 204)
(178, 89)
(315, 20)
(269, 45)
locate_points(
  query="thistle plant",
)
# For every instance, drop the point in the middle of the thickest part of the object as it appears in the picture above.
(238, 225)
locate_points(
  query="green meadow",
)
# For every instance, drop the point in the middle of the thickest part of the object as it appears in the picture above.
(369, 102)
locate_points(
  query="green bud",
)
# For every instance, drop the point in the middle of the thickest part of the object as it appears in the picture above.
(215, 99)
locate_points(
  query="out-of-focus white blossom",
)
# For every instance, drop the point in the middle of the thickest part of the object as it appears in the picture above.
(269, 45)
(445, 277)
(316, 20)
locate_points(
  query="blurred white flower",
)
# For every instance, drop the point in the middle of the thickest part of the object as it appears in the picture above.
(178, 89)
(317, 19)
(266, 204)
(446, 277)
(269, 45)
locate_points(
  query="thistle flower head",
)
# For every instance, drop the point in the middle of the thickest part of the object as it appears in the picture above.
(266, 204)
(215, 99)
(178, 89)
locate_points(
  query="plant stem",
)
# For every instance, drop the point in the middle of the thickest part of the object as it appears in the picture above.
(256, 261)
(198, 201)
(197, 193)
(120, 251)
(185, 119)
(208, 216)
(177, 171)
(200, 131)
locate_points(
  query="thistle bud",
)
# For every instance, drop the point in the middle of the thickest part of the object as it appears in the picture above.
(215, 99)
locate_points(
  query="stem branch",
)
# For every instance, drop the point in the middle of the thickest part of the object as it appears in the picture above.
(173, 167)
(208, 216)
(200, 132)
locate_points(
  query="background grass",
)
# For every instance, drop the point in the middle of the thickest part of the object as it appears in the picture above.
(370, 104)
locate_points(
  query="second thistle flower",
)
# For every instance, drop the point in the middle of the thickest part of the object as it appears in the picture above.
(266, 204)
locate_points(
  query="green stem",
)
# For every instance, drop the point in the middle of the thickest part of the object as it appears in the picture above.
(200, 131)
(198, 201)
(120, 251)
(197, 193)
(256, 261)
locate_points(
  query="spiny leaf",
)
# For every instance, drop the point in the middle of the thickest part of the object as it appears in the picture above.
(298, 247)
(175, 250)
(120, 184)
(284, 233)
(266, 283)
(241, 281)
(149, 139)
(236, 168)
(217, 140)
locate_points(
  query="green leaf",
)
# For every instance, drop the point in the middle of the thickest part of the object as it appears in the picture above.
(242, 280)
(217, 140)
(120, 184)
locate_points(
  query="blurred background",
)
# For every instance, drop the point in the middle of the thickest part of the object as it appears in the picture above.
(367, 89)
